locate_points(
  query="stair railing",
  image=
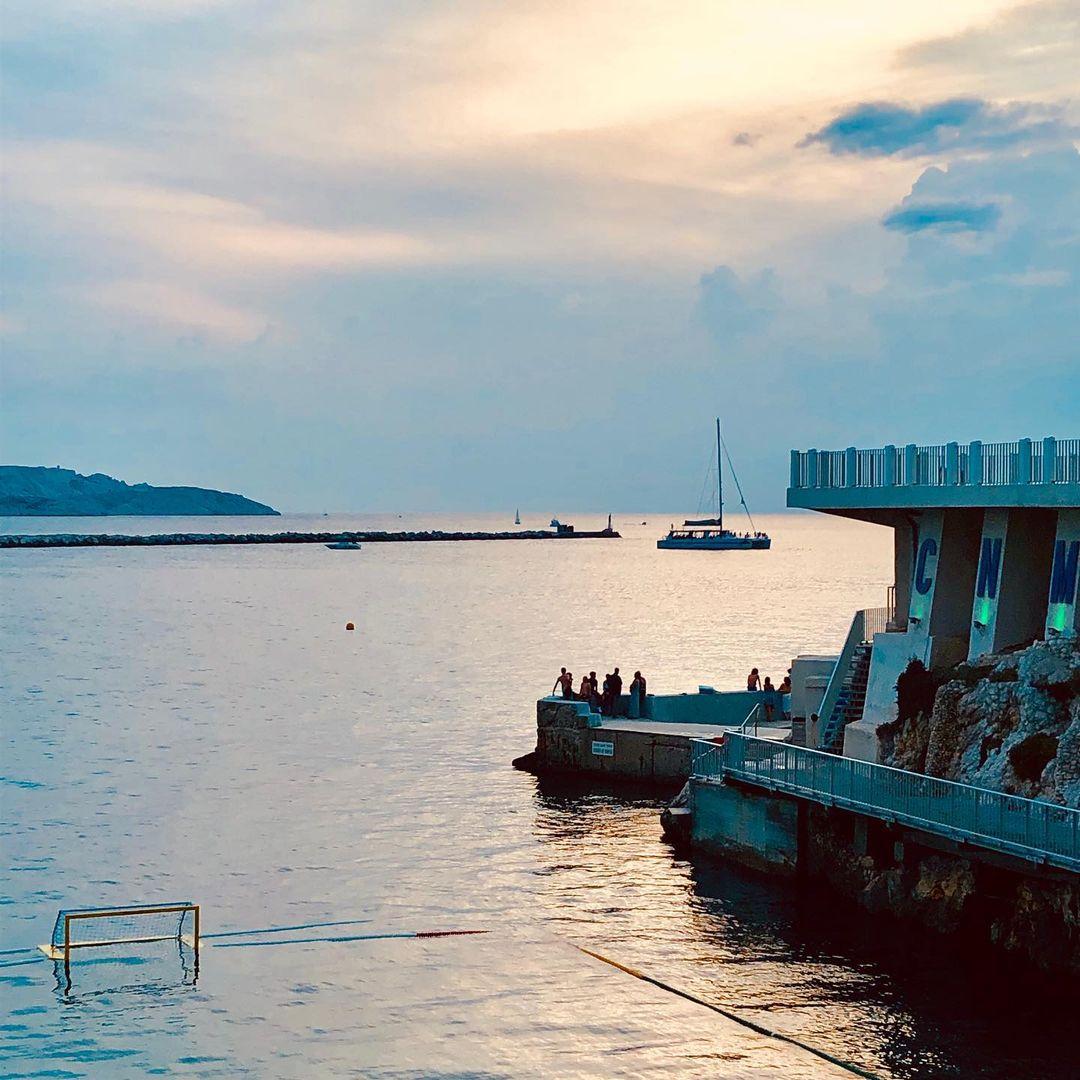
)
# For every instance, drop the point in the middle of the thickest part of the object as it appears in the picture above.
(856, 636)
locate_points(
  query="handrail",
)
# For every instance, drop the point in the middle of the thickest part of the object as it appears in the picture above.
(751, 715)
(855, 637)
(1033, 829)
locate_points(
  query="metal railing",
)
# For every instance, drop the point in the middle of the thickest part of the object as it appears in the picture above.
(1030, 828)
(1026, 461)
(706, 760)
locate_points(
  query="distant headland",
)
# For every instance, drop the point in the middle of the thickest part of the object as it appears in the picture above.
(35, 491)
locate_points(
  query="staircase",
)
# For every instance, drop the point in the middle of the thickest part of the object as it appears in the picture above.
(849, 702)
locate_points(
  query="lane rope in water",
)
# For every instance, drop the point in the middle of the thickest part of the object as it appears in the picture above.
(352, 937)
(734, 1017)
(742, 1021)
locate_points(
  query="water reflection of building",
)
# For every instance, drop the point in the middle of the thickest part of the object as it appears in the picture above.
(986, 552)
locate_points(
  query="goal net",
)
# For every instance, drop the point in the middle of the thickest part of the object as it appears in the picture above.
(137, 924)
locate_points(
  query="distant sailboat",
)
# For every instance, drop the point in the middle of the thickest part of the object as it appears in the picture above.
(517, 517)
(709, 534)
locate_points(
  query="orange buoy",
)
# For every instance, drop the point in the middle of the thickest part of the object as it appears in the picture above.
(349, 626)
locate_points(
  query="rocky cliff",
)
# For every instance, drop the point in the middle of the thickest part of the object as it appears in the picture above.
(27, 491)
(1010, 722)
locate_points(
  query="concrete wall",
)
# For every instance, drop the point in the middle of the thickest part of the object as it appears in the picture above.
(566, 742)
(809, 679)
(1012, 579)
(730, 707)
(988, 901)
(1063, 611)
(943, 581)
(892, 654)
(754, 828)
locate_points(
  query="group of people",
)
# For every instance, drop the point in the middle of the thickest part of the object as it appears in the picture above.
(605, 699)
(773, 695)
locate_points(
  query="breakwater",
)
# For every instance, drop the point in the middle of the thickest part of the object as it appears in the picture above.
(175, 539)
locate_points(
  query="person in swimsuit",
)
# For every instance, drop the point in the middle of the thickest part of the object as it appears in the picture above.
(753, 680)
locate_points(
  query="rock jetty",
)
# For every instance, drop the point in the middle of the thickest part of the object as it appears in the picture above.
(173, 539)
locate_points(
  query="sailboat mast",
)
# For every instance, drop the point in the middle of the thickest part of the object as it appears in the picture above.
(719, 479)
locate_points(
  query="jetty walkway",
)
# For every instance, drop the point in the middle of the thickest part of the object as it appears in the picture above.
(173, 539)
(1031, 829)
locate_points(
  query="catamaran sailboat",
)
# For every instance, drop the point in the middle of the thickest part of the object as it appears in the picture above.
(709, 534)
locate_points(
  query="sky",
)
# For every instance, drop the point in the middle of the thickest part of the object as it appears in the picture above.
(486, 254)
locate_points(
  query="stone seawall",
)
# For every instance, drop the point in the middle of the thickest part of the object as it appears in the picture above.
(991, 901)
(174, 539)
(566, 742)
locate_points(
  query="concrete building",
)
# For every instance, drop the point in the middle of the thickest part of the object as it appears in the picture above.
(986, 558)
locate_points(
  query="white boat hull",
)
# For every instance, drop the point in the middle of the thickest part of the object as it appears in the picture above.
(714, 543)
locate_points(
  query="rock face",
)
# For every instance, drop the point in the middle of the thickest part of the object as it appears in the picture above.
(1037, 922)
(1009, 722)
(35, 492)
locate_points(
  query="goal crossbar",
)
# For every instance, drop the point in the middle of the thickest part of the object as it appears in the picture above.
(61, 946)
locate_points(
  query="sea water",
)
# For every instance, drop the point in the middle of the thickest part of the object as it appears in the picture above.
(196, 723)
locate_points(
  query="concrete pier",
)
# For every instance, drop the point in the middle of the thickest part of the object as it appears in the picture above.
(570, 738)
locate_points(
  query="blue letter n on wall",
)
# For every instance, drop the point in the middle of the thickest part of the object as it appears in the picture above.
(1063, 576)
(989, 567)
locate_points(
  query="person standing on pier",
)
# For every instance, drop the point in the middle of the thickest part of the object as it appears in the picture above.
(565, 681)
(770, 699)
(594, 692)
(753, 680)
(637, 696)
(616, 690)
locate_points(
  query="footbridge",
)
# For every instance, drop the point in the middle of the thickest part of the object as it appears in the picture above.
(1039, 832)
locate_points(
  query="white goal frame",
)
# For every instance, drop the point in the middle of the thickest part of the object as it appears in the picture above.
(56, 952)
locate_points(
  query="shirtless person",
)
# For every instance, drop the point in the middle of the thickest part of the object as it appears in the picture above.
(566, 682)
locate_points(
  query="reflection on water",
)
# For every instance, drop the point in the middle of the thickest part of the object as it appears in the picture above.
(196, 722)
(797, 959)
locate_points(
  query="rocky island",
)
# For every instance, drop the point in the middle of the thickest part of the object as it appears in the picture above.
(33, 491)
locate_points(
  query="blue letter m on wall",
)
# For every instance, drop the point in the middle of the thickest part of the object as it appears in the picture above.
(1063, 577)
(989, 565)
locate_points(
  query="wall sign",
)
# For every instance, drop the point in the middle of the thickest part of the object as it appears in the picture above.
(925, 565)
(603, 749)
(986, 586)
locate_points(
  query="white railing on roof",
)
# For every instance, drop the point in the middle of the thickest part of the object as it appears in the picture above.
(1030, 828)
(1047, 461)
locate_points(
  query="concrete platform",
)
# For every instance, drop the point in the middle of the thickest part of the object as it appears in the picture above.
(572, 739)
(688, 731)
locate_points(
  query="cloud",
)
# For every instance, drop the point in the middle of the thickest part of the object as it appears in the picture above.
(947, 217)
(957, 125)
(733, 305)
(178, 310)
(1032, 49)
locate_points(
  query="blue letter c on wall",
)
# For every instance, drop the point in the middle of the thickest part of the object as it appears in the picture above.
(927, 550)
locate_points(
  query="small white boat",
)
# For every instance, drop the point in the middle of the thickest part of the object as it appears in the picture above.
(709, 534)
(344, 545)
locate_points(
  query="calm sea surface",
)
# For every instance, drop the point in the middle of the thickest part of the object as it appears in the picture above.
(197, 723)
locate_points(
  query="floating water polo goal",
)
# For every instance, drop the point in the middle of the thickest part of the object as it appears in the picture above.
(138, 924)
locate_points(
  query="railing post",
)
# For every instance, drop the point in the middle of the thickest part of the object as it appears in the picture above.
(794, 478)
(975, 471)
(952, 464)
(1023, 461)
(850, 460)
(911, 457)
(889, 478)
(824, 479)
(811, 469)
(1049, 475)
